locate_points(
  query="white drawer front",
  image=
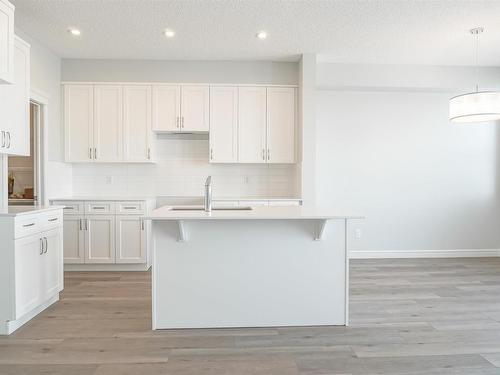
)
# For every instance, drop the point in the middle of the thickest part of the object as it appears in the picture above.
(96, 208)
(70, 207)
(131, 208)
(284, 203)
(51, 219)
(26, 225)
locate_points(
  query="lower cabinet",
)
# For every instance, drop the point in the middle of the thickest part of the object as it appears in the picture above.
(117, 235)
(32, 267)
(130, 239)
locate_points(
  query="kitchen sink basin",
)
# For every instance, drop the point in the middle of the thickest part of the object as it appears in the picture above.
(188, 208)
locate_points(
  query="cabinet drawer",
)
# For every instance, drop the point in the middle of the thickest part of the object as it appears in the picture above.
(50, 220)
(26, 225)
(70, 207)
(131, 208)
(284, 203)
(96, 208)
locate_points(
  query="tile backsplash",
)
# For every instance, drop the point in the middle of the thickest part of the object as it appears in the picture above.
(181, 169)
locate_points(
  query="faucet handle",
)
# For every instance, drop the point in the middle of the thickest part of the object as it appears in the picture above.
(208, 181)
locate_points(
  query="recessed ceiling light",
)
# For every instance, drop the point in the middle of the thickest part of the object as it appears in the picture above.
(74, 31)
(169, 33)
(261, 35)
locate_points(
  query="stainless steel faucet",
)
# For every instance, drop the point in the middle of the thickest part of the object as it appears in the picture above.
(208, 194)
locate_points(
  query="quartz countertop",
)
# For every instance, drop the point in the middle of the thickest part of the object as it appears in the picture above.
(256, 213)
(26, 210)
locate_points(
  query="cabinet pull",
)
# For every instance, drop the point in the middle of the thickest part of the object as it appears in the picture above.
(95, 153)
(149, 153)
(211, 154)
(268, 154)
(53, 219)
(69, 208)
(46, 245)
(142, 224)
(41, 246)
(3, 138)
(86, 224)
(90, 152)
(28, 225)
(80, 222)
(129, 208)
(98, 208)
(263, 154)
(182, 122)
(8, 145)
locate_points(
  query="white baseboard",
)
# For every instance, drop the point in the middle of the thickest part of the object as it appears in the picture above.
(459, 253)
(7, 327)
(106, 267)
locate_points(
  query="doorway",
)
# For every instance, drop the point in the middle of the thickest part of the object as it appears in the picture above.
(24, 172)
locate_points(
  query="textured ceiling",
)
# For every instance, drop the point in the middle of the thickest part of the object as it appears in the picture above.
(404, 31)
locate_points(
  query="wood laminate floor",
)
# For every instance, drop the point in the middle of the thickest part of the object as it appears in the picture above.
(432, 316)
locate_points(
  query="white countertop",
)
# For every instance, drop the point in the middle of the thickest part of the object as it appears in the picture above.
(102, 198)
(26, 210)
(256, 213)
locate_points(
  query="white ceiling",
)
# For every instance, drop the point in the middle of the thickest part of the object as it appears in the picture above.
(391, 31)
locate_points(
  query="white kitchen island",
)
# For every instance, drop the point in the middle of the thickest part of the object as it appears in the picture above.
(268, 266)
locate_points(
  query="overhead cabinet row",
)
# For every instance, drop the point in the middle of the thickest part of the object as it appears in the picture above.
(116, 123)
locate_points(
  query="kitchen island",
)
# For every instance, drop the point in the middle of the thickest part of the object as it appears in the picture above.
(250, 267)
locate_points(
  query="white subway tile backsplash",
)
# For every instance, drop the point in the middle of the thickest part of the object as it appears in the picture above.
(181, 169)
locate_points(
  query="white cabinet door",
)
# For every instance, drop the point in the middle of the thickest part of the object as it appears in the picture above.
(79, 122)
(252, 124)
(166, 108)
(137, 123)
(100, 239)
(108, 123)
(27, 273)
(14, 105)
(74, 241)
(6, 42)
(130, 239)
(195, 108)
(223, 124)
(51, 270)
(280, 125)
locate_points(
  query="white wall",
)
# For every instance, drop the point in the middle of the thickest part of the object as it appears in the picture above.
(183, 161)
(387, 150)
(46, 80)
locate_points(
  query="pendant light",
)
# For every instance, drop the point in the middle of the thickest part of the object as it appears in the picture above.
(476, 106)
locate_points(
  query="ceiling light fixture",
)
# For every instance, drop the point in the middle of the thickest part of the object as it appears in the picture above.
(476, 106)
(169, 33)
(261, 35)
(74, 31)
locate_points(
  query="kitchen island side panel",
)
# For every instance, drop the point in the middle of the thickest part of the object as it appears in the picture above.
(248, 273)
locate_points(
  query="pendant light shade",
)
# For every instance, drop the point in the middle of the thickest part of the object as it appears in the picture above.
(475, 107)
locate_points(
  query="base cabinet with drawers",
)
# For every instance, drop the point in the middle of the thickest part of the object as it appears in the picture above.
(106, 232)
(31, 271)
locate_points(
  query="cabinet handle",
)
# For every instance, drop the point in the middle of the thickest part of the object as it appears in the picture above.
(86, 224)
(80, 223)
(46, 245)
(129, 208)
(149, 153)
(95, 153)
(268, 154)
(142, 224)
(41, 246)
(53, 219)
(3, 138)
(182, 122)
(211, 154)
(28, 225)
(8, 145)
(98, 208)
(263, 154)
(90, 152)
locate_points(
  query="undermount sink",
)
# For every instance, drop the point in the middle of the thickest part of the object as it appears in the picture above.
(188, 208)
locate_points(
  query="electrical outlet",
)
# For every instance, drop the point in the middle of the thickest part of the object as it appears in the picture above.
(358, 233)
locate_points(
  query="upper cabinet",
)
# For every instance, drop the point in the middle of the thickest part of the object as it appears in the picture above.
(6, 42)
(180, 108)
(252, 146)
(14, 105)
(281, 116)
(107, 123)
(223, 124)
